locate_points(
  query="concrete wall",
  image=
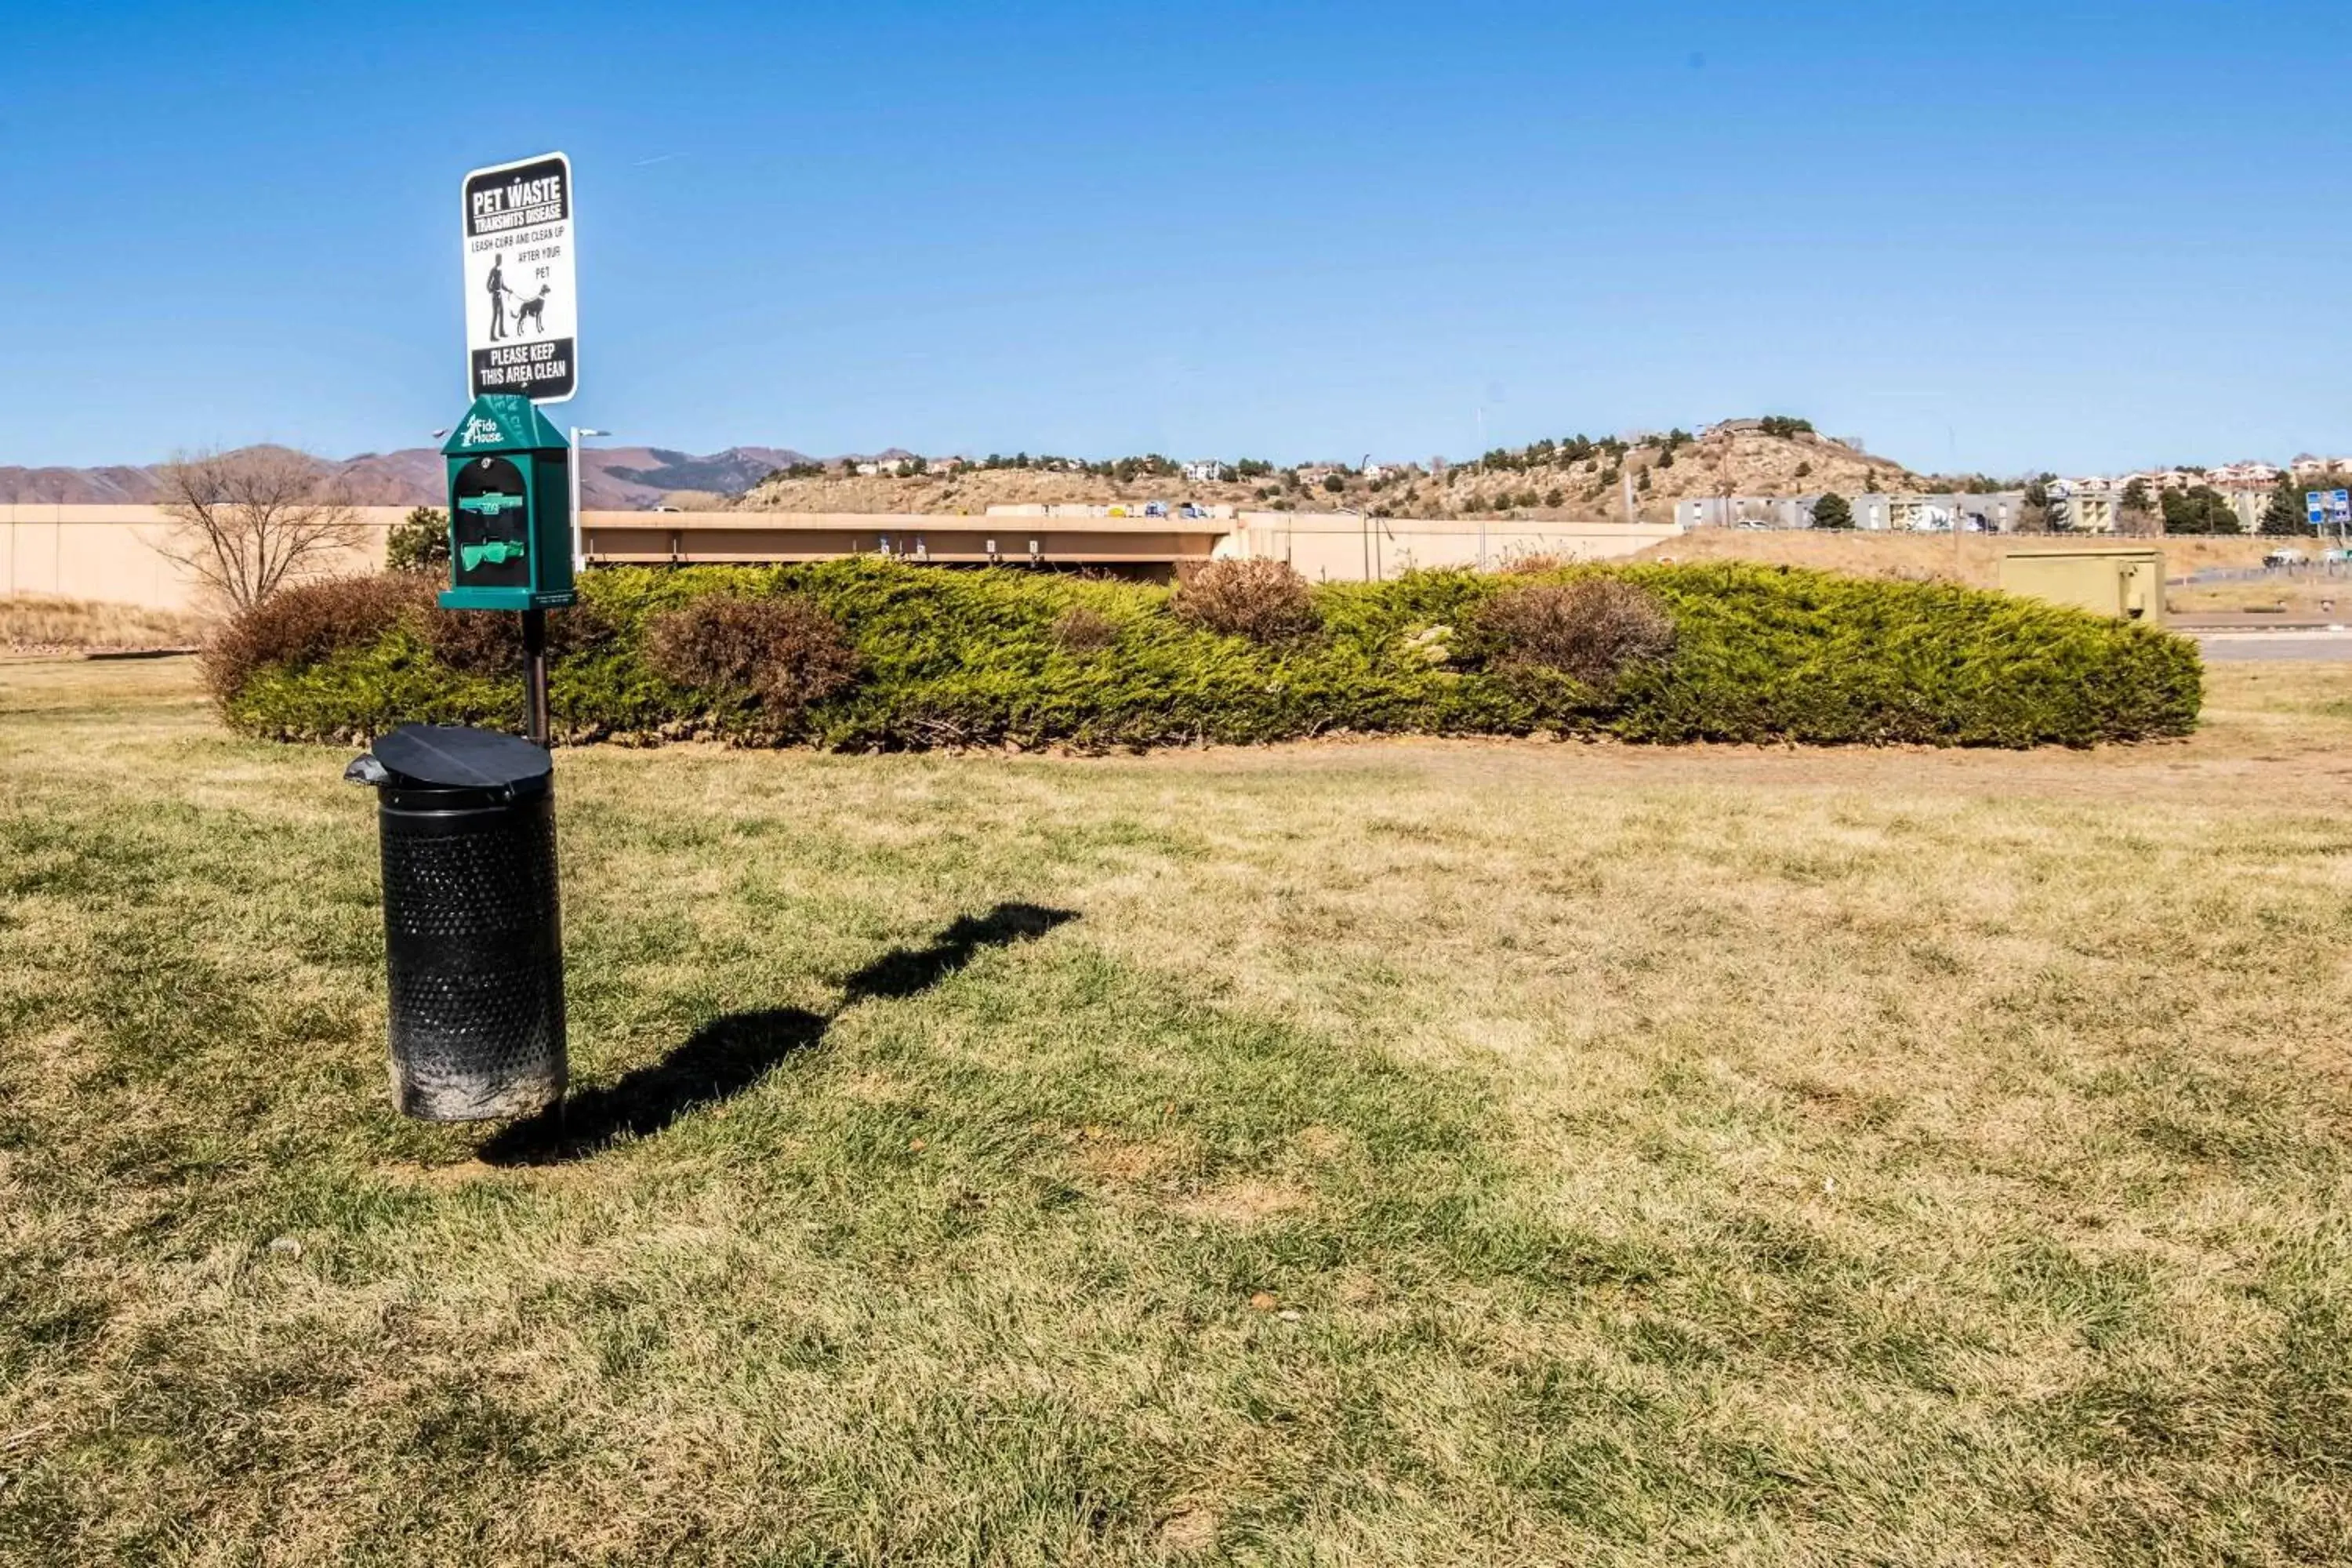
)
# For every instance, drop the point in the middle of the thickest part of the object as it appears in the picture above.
(1323, 546)
(1341, 547)
(107, 551)
(643, 538)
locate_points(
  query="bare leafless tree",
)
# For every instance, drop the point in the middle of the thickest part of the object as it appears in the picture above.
(249, 521)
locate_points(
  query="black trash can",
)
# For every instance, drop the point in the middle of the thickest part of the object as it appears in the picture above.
(473, 938)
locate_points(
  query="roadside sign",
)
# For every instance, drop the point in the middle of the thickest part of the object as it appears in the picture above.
(522, 314)
(2315, 508)
(2339, 506)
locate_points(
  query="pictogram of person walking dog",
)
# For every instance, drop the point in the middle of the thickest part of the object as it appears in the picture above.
(530, 311)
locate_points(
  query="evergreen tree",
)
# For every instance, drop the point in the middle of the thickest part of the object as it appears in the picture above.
(419, 541)
(2285, 515)
(2199, 510)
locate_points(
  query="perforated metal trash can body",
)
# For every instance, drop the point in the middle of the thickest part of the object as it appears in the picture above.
(472, 927)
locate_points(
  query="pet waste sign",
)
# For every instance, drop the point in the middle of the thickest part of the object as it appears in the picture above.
(522, 312)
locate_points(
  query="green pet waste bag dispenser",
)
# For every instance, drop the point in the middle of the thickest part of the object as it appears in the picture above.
(509, 508)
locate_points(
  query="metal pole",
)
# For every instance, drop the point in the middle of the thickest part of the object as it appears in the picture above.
(534, 673)
(578, 563)
(578, 555)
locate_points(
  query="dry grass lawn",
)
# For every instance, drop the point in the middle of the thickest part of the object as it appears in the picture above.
(44, 623)
(2302, 595)
(1973, 559)
(1356, 1154)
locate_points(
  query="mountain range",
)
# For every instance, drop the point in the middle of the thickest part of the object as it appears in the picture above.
(612, 478)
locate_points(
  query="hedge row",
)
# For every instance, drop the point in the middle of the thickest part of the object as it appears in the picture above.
(954, 658)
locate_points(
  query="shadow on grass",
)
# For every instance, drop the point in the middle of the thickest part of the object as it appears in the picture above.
(903, 972)
(732, 1054)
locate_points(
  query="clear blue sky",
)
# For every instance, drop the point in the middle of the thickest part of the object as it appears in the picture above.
(1991, 236)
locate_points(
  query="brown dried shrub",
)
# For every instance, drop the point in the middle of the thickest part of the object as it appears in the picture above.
(308, 622)
(1082, 630)
(489, 642)
(1590, 628)
(785, 651)
(1264, 601)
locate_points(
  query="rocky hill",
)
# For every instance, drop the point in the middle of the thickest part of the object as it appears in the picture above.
(1574, 479)
(1590, 481)
(613, 478)
(974, 490)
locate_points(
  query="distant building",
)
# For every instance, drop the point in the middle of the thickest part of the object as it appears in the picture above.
(2076, 507)
(2248, 505)
(1203, 472)
(1745, 511)
(2306, 465)
(1997, 511)
(2093, 502)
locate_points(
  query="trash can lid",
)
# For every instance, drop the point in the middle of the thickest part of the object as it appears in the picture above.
(451, 756)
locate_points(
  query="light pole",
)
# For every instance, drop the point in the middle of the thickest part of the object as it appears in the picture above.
(579, 559)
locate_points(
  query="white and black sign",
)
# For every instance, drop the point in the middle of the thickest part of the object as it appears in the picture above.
(522, 315)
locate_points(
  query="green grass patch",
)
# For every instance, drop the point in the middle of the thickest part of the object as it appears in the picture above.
(1388, 1153)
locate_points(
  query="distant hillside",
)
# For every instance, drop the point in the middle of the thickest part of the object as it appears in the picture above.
(613, 478)
(657, 471)
(1576, 479)
(78, 487)
(975, 489)
(1565, 479)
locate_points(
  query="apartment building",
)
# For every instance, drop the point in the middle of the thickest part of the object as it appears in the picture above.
(1996, 512)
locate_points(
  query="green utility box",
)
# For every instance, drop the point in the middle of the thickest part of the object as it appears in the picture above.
(509, 508)
(2125, 583)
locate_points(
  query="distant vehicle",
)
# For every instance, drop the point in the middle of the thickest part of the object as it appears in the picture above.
(1155, 508)
(2284, 556)
(1751, 522)
(669, 509)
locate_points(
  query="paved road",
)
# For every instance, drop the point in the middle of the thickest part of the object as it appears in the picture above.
(2332, 646)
